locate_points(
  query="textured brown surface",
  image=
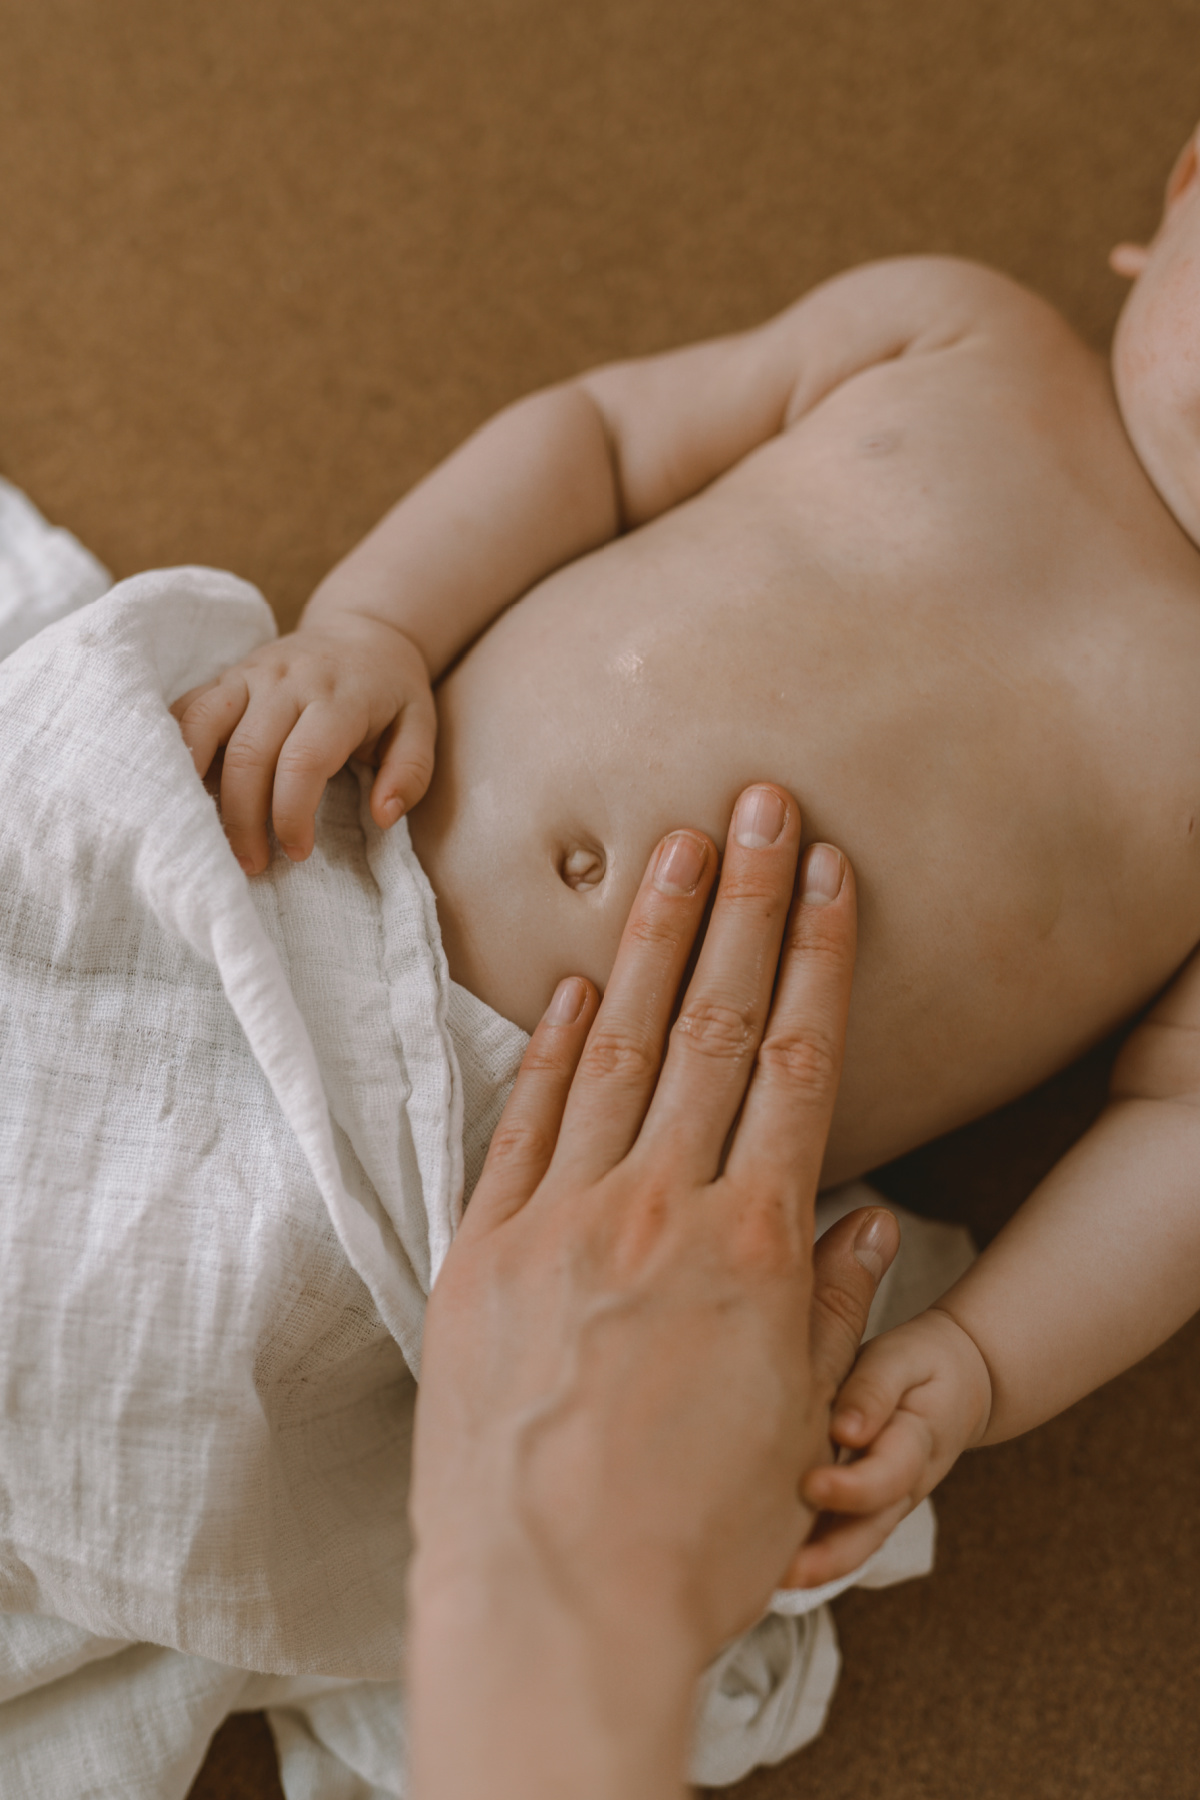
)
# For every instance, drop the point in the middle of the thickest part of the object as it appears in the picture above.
(240, 1764)
(262, 261)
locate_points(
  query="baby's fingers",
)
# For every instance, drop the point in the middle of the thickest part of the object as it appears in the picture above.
(839, 1546)
(248, 774)
(405, 761)
(208, 716)
(322, 741)
(886, 1369)
(892, 1469)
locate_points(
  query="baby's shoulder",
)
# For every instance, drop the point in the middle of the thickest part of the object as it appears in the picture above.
(954, 281)
(913, 304)
(952, 294)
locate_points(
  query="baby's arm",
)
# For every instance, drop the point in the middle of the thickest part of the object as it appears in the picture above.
(1099, 1266)
(549, 479)
(561, 472)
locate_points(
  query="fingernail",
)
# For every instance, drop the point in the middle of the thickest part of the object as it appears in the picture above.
(568, 1002)
(680, 863)
(245, 865)
(868, 1245)
(759, 818)
(390, 811)
(821, 876)
(851, 1420)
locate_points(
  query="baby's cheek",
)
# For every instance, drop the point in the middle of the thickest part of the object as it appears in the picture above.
(1156, 350)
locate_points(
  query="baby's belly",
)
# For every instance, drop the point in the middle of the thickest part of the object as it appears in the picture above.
(955, 737)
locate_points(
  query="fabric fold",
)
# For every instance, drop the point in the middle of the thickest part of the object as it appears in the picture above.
(205, 1414)
(236, 1123)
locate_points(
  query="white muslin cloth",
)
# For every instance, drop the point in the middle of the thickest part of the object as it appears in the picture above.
(235, 1123)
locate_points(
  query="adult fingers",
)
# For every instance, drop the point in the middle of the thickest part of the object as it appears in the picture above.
(849, 1262)
(524, 1140)
(780, 1139)
(620, 1063)
(715, 1037)
(406, 761)
(207, 716)
(322, 740)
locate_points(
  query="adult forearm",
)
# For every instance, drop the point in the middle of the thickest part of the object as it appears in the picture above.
(531, 491)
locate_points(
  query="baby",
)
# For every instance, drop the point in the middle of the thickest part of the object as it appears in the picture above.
(896, 551)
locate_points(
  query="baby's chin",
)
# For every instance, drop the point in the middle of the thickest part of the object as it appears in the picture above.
(1168, 448)
(1161, 415)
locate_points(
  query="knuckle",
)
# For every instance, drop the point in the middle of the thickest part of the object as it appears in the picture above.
(417, 769)
(821, 935)
(268, 666)
(519, 1142)
(638, 1235)
(765, 1244)
(304, 760)
(869, 1396)
(243, 754)
(306, 668)
(546, 1055)
(652, 928)
(753, 885)
(804, 1057)
(215, 699)
(840, 1307)
(618, 1057)
(715, 1030)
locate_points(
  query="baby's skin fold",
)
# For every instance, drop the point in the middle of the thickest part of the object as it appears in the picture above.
(904, 551)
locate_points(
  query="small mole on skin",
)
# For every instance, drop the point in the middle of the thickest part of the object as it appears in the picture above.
(879, 444)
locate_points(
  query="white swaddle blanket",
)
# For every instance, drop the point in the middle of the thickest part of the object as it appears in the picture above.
(234, 1122)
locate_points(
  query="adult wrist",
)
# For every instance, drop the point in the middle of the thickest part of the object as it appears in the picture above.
(539, 1691)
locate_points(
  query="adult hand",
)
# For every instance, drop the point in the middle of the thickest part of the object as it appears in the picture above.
(620, 1396)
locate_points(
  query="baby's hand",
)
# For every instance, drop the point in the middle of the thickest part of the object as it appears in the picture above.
(294, 711)
(915, 1399)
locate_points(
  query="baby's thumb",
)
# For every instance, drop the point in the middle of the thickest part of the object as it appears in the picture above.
(871, 1392)
(405, 762)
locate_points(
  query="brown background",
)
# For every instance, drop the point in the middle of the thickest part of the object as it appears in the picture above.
(263, 261)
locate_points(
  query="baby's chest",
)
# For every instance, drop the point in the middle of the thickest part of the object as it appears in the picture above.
(967, 468)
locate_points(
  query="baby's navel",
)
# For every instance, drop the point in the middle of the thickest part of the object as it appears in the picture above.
(582, 867)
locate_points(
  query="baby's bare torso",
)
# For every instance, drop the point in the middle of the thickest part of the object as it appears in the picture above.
(947, 610)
